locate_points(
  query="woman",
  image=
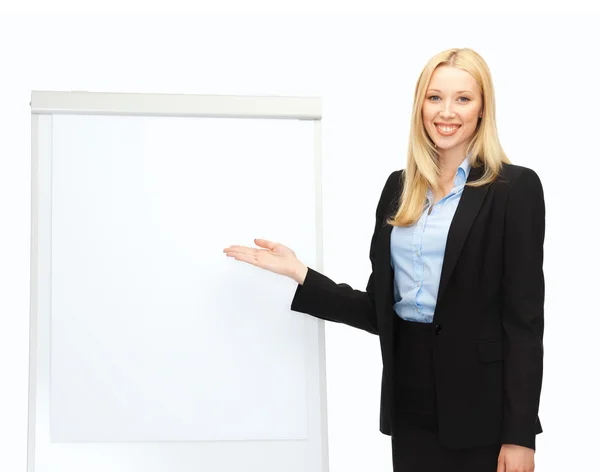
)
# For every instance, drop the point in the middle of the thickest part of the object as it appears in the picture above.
(456, 292)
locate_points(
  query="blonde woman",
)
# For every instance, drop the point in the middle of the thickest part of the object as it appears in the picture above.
(456, 292)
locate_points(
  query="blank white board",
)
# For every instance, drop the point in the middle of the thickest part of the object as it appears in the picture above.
(151, 350)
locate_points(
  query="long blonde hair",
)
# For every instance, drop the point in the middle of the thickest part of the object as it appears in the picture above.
(422, 168)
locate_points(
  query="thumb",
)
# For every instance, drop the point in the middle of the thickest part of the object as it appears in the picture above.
(264, 243)
(501, 464)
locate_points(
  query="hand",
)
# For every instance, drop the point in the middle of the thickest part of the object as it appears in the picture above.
(513, 458)
(275, 257)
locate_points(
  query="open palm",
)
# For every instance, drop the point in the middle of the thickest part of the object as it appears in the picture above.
(275, 257)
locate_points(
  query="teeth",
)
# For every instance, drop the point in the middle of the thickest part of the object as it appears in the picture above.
(447, 129)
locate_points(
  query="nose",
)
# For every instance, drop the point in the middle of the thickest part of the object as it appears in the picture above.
(447, 112)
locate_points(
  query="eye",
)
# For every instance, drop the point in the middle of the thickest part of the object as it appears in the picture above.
(466, 99)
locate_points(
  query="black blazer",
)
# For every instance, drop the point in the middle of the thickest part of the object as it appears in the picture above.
(489, 316)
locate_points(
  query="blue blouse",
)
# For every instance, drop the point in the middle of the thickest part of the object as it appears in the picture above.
(417, 253)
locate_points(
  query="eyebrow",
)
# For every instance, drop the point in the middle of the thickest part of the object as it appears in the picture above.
(460, 91)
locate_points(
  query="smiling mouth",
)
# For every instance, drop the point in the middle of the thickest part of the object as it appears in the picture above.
(446, 130)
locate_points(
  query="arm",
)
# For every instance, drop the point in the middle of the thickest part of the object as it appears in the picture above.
(321, 297)
(523, 309)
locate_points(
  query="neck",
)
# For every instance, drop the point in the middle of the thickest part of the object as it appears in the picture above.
(449, 162)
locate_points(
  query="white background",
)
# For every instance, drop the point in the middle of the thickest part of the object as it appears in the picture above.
(155, 335)
(365, 68)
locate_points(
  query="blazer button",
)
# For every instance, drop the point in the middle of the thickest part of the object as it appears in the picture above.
(438, 329)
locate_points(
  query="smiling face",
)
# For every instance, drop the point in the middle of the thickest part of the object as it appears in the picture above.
(451, 110)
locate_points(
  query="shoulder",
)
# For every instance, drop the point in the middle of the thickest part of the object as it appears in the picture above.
(512, 173)
(393, 185)
(519, 184)
(395, 180)
(391, 190)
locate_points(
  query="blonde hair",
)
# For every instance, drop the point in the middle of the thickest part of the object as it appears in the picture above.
(422, 169)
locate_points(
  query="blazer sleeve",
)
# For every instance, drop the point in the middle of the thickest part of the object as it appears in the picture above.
(523, 309)
(321, 297)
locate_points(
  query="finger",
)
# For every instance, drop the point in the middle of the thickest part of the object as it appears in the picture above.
(249, 258)
(236, 247)
(501, 464)
(240, 250)
(242, 253)
(265, 243)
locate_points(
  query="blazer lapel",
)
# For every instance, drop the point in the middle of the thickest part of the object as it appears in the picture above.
(468, 207)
